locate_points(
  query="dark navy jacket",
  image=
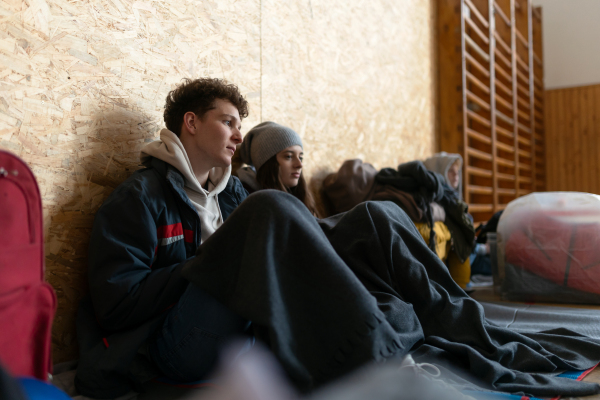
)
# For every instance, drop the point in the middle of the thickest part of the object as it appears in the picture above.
(142, 236)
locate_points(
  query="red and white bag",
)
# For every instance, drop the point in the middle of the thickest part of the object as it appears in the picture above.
(27, 303)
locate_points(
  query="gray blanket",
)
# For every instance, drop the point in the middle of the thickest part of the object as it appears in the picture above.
(328, 296)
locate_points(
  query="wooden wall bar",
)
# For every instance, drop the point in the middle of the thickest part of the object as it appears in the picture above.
(488, 48)
(573, 139)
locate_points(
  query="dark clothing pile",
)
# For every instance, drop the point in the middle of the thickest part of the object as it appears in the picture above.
(412, 187)
(330, 295)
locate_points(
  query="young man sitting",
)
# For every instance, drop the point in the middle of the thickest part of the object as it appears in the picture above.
(326, 296)
(143, 309)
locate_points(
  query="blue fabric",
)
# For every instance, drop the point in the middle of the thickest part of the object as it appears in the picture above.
(185, 349)
(37, 390)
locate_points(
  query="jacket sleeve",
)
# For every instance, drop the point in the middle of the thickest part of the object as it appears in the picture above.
(125, 290)
(242, 193)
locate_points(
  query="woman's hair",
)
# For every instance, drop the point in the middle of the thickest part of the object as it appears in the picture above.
(268, 178)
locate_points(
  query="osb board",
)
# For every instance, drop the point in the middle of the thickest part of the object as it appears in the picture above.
(354, 78)
(82, 86)
(82, 89)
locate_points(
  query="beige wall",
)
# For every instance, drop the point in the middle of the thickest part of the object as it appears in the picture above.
(571, 45)
(82, 85)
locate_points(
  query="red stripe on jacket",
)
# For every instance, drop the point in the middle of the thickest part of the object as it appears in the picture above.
(173, 230)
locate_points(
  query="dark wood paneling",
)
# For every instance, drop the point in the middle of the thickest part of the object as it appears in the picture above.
(573, 145)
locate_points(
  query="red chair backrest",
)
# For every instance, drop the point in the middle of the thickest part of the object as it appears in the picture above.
(27, 303)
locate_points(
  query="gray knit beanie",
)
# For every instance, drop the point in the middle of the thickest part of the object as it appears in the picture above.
(266, 140)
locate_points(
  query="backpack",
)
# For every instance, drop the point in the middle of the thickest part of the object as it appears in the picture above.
(27, 303)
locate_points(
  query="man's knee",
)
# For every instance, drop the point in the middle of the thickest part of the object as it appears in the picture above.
(385, 209)
(271, 201)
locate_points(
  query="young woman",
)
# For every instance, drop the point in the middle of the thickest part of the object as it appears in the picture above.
(274, 156)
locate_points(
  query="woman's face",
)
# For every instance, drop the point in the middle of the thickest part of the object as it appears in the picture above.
(290, 165)
(454, 175)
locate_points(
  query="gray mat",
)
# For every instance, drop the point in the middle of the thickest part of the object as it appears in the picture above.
(529, 318)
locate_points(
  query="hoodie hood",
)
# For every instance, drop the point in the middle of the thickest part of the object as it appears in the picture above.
(170, 150)
(441, 163)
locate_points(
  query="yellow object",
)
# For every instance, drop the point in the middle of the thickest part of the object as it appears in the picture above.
(442, 236)
(460, 272)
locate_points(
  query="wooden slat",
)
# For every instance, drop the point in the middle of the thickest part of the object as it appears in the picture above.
(477, 49)
(538, 138)
(477, 82)
(500, 56)
(523, 77)
(523, 192)
(536, 13)
(522, 102)
(501, 13)
(506, 163)
(504, 132)
(502, 42)
(537, 59)
(480, 17)
(477, 65)
(475, 28)
(521, 38)
(524, 115)
(523, 128)
(479, 154)
(522, 63)
(524, 153)
(504, 147)
(508, 192)
(504, 88)
(525, 179)
(525, 167)
(478, 118)
(505, 177)
(524, 140)
(478, 172)
(471, 96)
(477, 208)
(504, 118)
(480, 189)
(503, 72)
(478, 136)
(505, 103)
(522, 90)
(539, 183)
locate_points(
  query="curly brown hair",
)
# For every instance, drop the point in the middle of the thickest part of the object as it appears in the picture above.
(198, 96)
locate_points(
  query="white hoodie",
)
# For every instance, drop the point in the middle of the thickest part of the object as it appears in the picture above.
(170, 150)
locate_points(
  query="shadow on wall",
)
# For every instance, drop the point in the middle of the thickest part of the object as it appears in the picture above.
(111, 154)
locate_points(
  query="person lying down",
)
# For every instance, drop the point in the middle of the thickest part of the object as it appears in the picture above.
(182, 260)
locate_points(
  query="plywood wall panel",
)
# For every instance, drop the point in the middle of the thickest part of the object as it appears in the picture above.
(573, 143)
(82, 89)
(355, 79)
